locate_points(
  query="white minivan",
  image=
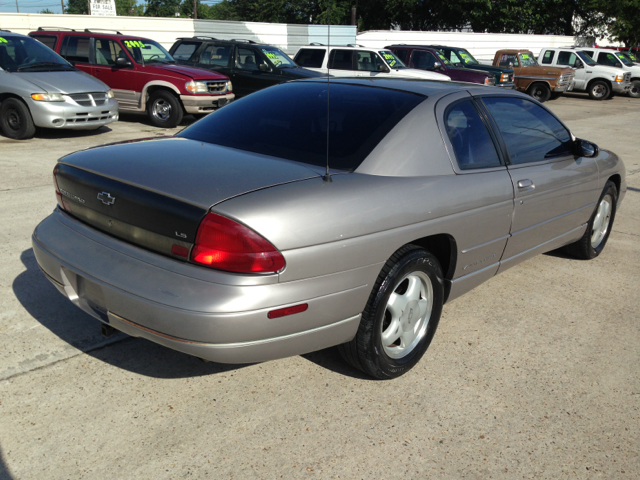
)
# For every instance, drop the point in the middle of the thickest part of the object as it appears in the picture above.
(359, 61)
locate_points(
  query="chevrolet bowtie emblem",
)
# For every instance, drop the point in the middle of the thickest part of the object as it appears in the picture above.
(106, 198)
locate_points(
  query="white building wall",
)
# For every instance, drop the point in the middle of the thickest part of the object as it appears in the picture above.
(483, 46)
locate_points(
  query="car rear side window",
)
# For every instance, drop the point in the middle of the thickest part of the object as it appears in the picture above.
(341, 59)
(185, 50)
(77, 49)
(216, 55)
(547, 59)
(290, 121)
(48, 40)
(310, 57)
(469, 137)
(530, 132)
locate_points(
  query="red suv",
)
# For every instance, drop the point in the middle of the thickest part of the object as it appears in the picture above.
(141, 73)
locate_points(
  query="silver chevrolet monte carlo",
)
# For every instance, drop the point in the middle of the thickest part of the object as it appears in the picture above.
(229, 241)
(39, 88)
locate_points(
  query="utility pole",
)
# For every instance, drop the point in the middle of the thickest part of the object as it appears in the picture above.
(17, 8)
(353, 15)
(195, 9)
(62, 4)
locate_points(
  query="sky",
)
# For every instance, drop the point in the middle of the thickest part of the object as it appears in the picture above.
(36, 6)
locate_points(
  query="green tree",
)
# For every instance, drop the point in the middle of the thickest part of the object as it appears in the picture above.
(77, 7)
(46, 10)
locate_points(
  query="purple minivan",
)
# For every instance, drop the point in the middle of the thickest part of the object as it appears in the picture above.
(426, 58)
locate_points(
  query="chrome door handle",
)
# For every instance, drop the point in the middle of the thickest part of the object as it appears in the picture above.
(528, 184)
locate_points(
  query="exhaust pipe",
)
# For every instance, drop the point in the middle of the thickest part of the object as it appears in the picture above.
(107, 330)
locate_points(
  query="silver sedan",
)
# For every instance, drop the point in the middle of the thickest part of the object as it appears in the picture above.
(283, 224)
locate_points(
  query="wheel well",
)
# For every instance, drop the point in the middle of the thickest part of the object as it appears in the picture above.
(155, 88)
(598, 79)
(443, 247)
(4, 96)
(539, 81)
(617, 180)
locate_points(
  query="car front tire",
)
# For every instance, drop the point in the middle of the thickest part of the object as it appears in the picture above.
(15, 120)
(635, 89)
(599, 227)
(540, 91)
(401, 316)
(599, 90)
(164, 109)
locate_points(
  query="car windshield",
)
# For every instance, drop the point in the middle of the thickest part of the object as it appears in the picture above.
(278, 57)
(359, 117)
(147, 52)
(24, 54)
(527, 60)
(393, 61)
(463, 56)
(626, 61)
(630, 57)
(586, 58)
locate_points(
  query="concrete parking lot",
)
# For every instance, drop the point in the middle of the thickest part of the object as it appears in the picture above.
(535, 374)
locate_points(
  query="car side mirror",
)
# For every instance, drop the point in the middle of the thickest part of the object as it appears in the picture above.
(437, 65)
(123, 62)
(578, 64)
(263, 67)
(382, 68)
(510, 64)
(586, 149)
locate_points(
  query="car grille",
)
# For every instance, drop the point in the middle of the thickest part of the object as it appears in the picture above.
(566, 78)
(216, 87)
(627, 77)
(93, 99)
(86, 118)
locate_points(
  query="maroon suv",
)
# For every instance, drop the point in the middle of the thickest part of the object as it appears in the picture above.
(427, 58)
(141, 73)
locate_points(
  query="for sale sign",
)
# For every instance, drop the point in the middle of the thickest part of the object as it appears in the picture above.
(103, 8)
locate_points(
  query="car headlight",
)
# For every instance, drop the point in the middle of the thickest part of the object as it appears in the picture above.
(110, 93)
(47, 97)
(504, 77)
(490, 81)
(619, 78)
(196, 87)
(229, 86)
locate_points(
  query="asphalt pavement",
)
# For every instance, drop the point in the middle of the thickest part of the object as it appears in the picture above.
(535, 374)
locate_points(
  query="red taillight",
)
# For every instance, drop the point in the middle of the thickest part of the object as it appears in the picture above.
(227, 245)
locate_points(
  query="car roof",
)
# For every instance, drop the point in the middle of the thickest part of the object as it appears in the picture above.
(412, 46)
(86, 31)
(235, 41)
(427, 88)
(324, 47)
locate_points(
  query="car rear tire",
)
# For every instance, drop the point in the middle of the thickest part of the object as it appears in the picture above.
(599, 227)
(635, 89)
(15, 120)
(540, 91)
(164, 109)
(599, 90)
(401, 316)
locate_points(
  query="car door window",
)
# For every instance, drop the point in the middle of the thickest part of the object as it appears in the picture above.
(507, 59)
(423, 60)
(341, 59)
(368, 61)
(77, 49)
(107, 51)
(547, 59)
(608, 59)
(310, 57)
(185, 50)
(471, 141)
(249, 60)
(452, 57)
(567, 58)
(216, 55)
(530, 132)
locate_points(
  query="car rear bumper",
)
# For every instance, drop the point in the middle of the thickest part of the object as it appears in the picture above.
(205, 103)
(188, 308)
(66, 115)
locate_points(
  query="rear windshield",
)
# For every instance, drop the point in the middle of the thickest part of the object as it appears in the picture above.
(290, 121)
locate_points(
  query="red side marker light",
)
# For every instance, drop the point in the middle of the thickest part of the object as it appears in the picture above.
(180, 251)
(283, 312)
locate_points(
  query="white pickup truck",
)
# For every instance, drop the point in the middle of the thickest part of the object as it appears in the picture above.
(599, 81)
(613, 58)
(359, 61)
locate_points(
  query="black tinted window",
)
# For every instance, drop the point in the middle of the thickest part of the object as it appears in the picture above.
(185, 50)
(548, 57)
(531, 133)
(311, 58)
(341, 59)
(290, 121)
(48, 40)
(470, 138)
(77, 49)
(216, 55)
(423, 60)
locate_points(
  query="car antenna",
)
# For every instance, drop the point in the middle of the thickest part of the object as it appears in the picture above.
(327, 176)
